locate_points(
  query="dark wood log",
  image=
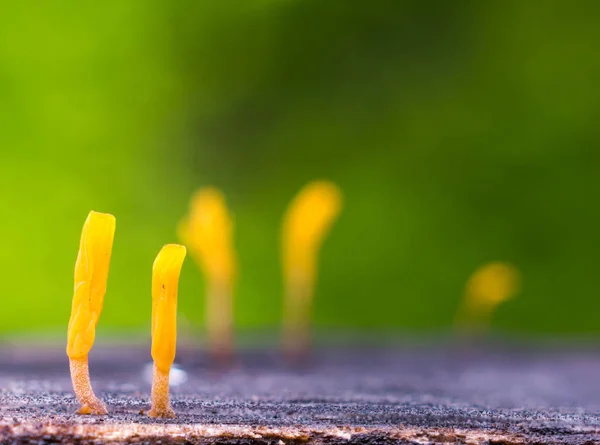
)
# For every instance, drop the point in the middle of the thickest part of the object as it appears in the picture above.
(439, 394)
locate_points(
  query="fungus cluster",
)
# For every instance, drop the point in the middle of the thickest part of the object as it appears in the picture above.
(207, 231)
(91, 275)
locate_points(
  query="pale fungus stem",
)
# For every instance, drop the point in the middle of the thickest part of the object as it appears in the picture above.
(208, 233)
(306, 223)
(297, 314)
(165, 282)
(161, 406)
(219, 321)
(91, 274)
(80, 376)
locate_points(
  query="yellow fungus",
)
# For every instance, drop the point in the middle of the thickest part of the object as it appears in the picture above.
(165, 281)
(308, 219)
(91, 274)
(208, 232)
(489, 286)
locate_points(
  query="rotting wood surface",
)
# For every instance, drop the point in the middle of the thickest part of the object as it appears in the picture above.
(501, 395)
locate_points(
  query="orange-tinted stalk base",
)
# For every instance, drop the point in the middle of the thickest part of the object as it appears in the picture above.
(160, 395)
(80, 376)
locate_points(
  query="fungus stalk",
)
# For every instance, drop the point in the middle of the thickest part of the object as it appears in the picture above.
(208, 233)
(165, 281)
(297, 313)
(91, 274)
(219, 320)
(488, 287)
(306, 223)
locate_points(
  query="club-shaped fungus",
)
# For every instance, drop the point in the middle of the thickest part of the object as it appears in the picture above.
(91, 274)
(208, 233)
(489, 286)
(308, 219)
(165, 281)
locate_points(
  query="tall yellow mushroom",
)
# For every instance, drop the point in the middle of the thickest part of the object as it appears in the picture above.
(165, 281)
(208, 232)
(308, 219)
(489, 286)
(91, 274)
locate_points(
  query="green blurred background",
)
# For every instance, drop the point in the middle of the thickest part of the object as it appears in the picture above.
(459, 131)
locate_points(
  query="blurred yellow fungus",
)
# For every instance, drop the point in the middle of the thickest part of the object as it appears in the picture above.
(91, 274)
(308, 219)
(489, 286)
(208, 232)
(165, 281)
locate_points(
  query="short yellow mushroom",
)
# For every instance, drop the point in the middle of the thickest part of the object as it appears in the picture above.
(91, 274)
(165, 281)
(208, 232)
(489, 286)
(306, 223)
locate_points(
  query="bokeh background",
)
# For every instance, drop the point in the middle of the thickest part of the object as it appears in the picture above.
(459, 131)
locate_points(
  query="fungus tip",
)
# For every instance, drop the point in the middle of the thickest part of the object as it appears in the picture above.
(489, 286)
